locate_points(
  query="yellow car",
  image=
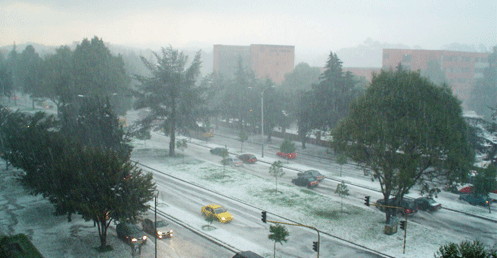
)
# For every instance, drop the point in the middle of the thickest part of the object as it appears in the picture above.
(220, 213)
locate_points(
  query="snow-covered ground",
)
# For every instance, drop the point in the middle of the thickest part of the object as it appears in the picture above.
(54, 237)
(360, 224)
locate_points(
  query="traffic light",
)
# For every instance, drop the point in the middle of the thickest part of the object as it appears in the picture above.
(263, 216)
(403, 225)
(315, 246)
(366, 200)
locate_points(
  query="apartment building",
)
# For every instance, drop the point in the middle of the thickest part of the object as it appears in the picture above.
(266, 61)
(461, 68)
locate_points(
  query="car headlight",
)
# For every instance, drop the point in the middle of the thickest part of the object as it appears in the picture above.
(133, 239)
(159, 232)
(170, 231)
(144, 237)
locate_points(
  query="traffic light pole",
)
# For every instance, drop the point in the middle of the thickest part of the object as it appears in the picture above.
(366, 202)
(301, 225)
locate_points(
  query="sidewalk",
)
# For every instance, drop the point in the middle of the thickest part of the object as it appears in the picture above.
(52, 235)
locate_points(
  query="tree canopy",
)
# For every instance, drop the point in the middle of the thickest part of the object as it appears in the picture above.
(176, 103)
(407, 131)
(92, 177)
(484, 93)
(328, 101)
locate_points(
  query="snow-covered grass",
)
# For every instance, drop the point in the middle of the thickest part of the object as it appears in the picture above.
(358, 223)
(54, 237)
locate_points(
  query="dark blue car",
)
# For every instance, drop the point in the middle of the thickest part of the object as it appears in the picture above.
(476, 199)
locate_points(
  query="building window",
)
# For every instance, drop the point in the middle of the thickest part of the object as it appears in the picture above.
(406, 58)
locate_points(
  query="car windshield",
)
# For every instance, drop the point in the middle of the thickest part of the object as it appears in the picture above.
(219, 210)
(161, 224)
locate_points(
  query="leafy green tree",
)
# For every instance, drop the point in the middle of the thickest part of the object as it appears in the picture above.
(305, 116)
(484, 92)
(14, 67)
(243, 93)
(224, 154)
(210, 218)
(332, 95)
(243, 137)
(301, 78)
(341, 160)
(276, 170)
(108, 188)
(274, 104)
(408, 131)
(176, 103)
(30, 76)
(97, 125)
(287, 146)
(465, 249)
(58, 82)
(485, 181)
(95, 181)
(33, 144)
(182, 145)
(6, 81)
(342, 191)
(96, 72)
(279, 234)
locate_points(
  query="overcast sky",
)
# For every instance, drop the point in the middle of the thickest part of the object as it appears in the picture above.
(314, 25)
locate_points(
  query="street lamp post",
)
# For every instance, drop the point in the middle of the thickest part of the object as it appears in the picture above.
(155, 222)
(262, 118)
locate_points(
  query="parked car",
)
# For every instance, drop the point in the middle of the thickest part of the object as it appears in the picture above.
(247, 158)
(475, 199)
(313, 173)
(408, 206)
(308, 181)
(219, 151)
(427, 204)
(162, 228)
(216, 210)
(232, 161)
(130, 233)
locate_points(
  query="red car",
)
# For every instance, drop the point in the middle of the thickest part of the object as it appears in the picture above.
(247, 158)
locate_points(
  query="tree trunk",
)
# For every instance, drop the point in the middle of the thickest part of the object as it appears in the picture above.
(172, 139)
(274, 249)
(102, 231)
(276, 185)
